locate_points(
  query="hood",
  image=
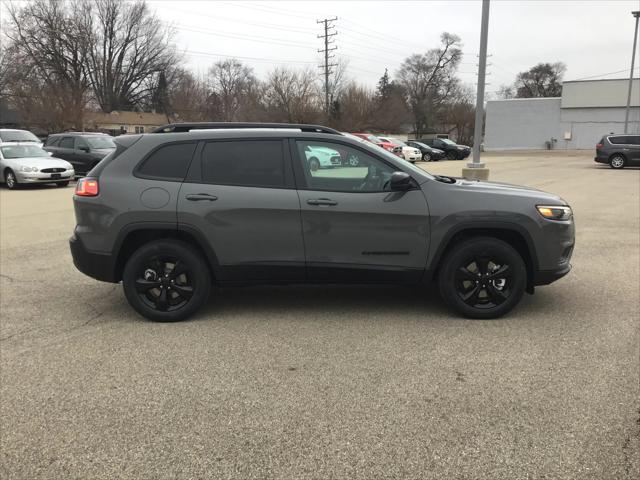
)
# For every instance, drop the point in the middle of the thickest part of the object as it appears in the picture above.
(499, 188)
(39, 162)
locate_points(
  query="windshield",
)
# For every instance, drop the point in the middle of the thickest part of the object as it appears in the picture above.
(18, 136)
(447, 141)
(100, 142)
(23, 151)
(386, 153)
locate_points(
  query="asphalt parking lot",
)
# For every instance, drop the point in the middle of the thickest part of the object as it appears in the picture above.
(327, 382)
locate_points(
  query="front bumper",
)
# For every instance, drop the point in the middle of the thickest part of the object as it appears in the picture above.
(412, 157)
(545, 277)
(39, 177)
(100, 266)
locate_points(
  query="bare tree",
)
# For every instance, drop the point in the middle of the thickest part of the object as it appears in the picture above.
(130, 47)
(391, 111)
(458, 115)
(429, 79)
(354, 108)
(230, 83)
(291, 96)
(48, 48)
(542, 80)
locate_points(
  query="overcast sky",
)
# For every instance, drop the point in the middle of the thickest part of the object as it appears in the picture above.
(593, 38)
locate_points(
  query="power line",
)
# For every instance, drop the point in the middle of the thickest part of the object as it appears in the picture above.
(256, 59)
(259, 38)
(329, 31)
(603, 74)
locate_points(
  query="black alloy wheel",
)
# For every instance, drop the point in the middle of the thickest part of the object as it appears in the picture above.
(166, 280)
(482, 277)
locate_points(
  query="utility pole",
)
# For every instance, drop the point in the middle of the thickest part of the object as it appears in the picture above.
(328, 33)
(476, 170)
(633, 59)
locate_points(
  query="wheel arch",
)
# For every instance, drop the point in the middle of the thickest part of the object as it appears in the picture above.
(134, 236)
(618, 154)
(513, 235)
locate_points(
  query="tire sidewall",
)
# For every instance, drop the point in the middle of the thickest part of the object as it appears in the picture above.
(185, 253)
(314, 164)
(482, 246)
(426, 157)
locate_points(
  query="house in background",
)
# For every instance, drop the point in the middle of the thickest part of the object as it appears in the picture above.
(118, 123)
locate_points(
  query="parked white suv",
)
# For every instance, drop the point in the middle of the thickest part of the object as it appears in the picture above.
(410, 154)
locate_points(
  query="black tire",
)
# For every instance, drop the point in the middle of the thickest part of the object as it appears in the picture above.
(10, 179)
(426, 157)
(62, 184)
(314, 164)
(617, 161)
(150, 274)
(482, 278)
(451, 155)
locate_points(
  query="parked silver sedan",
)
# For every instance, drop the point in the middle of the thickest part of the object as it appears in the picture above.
(27, 164)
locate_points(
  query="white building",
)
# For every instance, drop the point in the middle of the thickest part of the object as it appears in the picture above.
(586, 111)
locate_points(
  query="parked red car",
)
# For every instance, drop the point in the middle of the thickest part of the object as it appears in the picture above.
(375, 140)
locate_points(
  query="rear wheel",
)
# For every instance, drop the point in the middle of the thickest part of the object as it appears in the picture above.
(166, 281)
(482, 278)
(617, 162)
(10, 179)
(451, 155)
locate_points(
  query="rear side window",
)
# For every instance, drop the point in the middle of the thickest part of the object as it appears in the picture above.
(52, 141)
(251, 163)
(618, 140)
(66, 142)
(634, 140)
(169, 162)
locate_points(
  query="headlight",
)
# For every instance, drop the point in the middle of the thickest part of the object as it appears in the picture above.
(28, 169)
(555, 212)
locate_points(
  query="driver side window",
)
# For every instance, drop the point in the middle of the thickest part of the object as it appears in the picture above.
(340, 168)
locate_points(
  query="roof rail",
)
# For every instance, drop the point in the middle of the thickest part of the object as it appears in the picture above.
(187, 127)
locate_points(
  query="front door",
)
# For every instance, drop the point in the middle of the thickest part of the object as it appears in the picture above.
(241, 196)
(355, 228)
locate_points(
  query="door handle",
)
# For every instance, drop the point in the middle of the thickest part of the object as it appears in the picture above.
(322, 202)
(195, 197)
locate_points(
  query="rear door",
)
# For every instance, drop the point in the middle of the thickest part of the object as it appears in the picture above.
(241, 196)
(355, 228)
(81, 155)
(65, 151)
(634, 148)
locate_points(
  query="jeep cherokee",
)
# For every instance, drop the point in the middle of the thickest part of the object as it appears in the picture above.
(171, 213)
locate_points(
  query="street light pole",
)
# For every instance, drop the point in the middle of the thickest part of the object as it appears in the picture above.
(633, 59)
(476, 169)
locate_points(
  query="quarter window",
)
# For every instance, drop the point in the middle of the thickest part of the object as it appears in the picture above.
(252, 163)
(52, 141)
(341, 168)
(169, 162)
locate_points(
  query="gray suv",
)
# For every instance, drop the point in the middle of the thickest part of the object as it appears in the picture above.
(618, 151)
(171, 213)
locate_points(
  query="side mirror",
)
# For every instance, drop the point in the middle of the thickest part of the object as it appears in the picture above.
(401, 182)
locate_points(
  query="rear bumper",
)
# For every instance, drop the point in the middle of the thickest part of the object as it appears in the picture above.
(600, 159)
(545, 277)
(100, 266)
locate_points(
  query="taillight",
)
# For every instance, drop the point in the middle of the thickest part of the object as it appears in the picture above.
(599, 145)
(87, 187)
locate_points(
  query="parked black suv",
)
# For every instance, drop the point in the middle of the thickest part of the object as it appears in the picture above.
(618, 151)
(82, 150)
(452, 150)
(168, 214)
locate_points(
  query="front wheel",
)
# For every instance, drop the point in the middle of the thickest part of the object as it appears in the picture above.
(451, 155)
(10, 180)
(426, 157)
(166, 281)
(617, 162)
(314, 164)
(482, 278)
